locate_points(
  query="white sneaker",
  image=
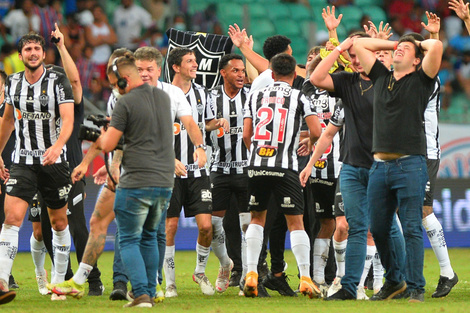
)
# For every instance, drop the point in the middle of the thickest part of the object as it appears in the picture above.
(56, 297)
(171, 291)
(361, 294)
(324, 290)
(223, 278)
(42, 284)
(203, 282)
(335, 287)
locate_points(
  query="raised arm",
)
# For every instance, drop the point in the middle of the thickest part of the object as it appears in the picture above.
(433, 50)
(238, 38)
(321, 76)
(331, 22)
(461, 9)
(365, 50)
(433, 26)
(69, 65)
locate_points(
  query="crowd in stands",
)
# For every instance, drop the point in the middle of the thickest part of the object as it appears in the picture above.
(94, 27)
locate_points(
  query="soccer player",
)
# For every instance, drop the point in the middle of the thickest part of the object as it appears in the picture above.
(229, 159)
(192, 186)
(271, 131)
(398, 175)
(40, 162)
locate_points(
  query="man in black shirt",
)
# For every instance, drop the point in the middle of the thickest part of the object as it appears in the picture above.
(398, 175)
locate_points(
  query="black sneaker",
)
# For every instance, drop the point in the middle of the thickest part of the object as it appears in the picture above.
(7, 296)
(389, 291)
(280, 284)
(235, 277)
(119, 291)
(341, 295)
(262, 292)
(404, 295)
(445, 285)
(95, 288)
(12, 283)
(416, 296)
(263, 270)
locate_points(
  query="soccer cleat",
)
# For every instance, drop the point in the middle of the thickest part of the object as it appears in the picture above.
(95, 288)
(341, 295)
(12, 283)
(335, 287)
(142, 301)
(7, 296)
(159, 295)
(279, 284)
(171, 291)
(204, 283)
(119, 291)
(42, 284)
(323, 289)
(250, 289)
(235, 278)
(389, 291)
(56, 297)
(416, 296)
(222, 281)
(308, 287)
(69, 288)
(445, 285)
(361, 294)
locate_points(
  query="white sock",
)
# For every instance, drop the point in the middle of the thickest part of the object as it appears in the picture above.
(254, 242)
(245, 219)
(38, 252)
(82, 273)
(61, 246)
(300, 244)
(340, 255)
(369, 258)
(8, 250)
(321, 248)
(169, 265)
(218, 241)
(438, 243)
(378, 271)
(202, 257)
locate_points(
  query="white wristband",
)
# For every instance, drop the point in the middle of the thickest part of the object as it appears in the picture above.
(339, 49)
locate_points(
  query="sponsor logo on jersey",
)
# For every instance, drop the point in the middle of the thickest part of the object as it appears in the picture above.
(206, 195)
(34, 153)
(176, 128)
(321, 164)
(233, 164)
(276, 100)
(266, 151)
(31, 116)
(253, 173)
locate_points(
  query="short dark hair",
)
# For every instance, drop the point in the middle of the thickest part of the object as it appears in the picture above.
(3, 76)
(227, 58)
(32, 37)
(176, 57)
(274, 45)
(360, 34)
(149, 54)
(283, 64)
(411, 38)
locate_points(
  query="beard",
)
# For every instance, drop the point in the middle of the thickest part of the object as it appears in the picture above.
(32, 68)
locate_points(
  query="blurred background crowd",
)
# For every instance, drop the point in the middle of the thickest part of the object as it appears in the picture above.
(93, 28)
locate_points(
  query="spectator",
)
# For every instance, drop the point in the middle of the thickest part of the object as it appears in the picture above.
(84, 15)
(463, 73)
(74, 33)
(206, 21)
(20, 21)
(100, 35)
(5, 6)
(447, 78)
(12, 62)
(48, 16)
(129, 22)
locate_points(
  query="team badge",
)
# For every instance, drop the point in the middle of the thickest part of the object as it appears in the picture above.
(43, 99)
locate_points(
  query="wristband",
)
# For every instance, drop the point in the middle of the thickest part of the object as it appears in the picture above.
(339, 49)
(395, 46)
(202, 146)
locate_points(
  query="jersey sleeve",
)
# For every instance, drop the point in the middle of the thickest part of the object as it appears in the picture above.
(64, 92)
(377, 70)
(210, 112)
(7, 91)
(247, 107)
(307, 105)
(183, 108)
(337, 118)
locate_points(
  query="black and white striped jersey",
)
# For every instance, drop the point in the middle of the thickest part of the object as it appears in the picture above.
(277, 112)
(431, 120)
(229, 154)
(328, 166)
(202, 109)
(37, 116)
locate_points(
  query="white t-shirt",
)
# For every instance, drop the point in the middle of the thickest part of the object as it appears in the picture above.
(19, 24)
(102, 52)
(129, 23)
(263, 80)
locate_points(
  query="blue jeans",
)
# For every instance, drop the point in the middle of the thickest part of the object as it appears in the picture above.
(118, 267)
(138, 212)
(161, 239)
(399, 184)
(354, 182)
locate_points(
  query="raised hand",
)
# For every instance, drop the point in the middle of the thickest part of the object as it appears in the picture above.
(460, 8)
(434, 23)
(331, 22)
(238, 36)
